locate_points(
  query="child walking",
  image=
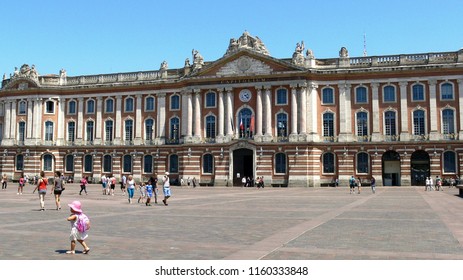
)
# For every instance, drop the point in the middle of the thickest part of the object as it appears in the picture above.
(149, 193)
(142, 189)
(76, 234)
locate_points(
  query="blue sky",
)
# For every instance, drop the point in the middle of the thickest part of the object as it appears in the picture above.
(102, 36)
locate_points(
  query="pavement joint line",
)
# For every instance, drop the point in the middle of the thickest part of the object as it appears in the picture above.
(276, 241)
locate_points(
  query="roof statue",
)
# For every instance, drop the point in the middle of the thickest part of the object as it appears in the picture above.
(198, 60)
(298, 55)
(25, 72)
(343, 52)
(246, 41)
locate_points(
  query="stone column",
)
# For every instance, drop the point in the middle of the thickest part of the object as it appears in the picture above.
(7, 113)
(345, 113)
(303, 106)
(230, 118)
(404, 132)
(161, 119)
(259, 119)
(268, 115)
(221, 116)
(98, 123)
(38, 121)
(138, 121)
(61, 125)
(433, 134)
(460, 109)
(312, 116)
(118, 123)
(30, 124)
(294, 111)
(189, 120)
(13, 133)
(80, 121)
(197, 116)
(376, 135)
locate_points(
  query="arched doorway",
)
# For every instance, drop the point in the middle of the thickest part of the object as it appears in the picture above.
(243, 165)
(421, 167)
(391, 168)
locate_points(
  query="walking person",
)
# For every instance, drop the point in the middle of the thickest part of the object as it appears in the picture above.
(4, 182)
(123, 184)
(142, 190)
(352, 184)
(112, 184)
(188, 181)
(80, 224)
(166, 188)
(439, 184)
(427, 187)
(154, 184)
(42, 184)
(58, 189)
(104, 182)
(373, 184)
(130, 188)
(194, 182)
(149, 193)
(83, 185)
(21, 183)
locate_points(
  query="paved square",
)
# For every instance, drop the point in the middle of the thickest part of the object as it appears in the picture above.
(241, 223)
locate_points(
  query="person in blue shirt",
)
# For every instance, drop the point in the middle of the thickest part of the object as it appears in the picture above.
(149, 193)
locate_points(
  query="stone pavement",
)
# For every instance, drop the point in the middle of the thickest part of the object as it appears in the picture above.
(211, 223)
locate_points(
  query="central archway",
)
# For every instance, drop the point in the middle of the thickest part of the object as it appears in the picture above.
(420, 164)
(243, 165)
(391, 168)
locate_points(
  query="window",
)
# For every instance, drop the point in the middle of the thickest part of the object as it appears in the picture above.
(72, 107)
(175, 102)
(21, 131)
(109, 130)
(210, 99)
(418, 122)
(208, 163)
(328, 125)
(328, 163)
(210, 127)
(244, 119)
(47, 162)
(418, 92)
(446, 91)
(450, 163)
(282, 96)
(71, 131)
(390, 123)
(128, 130)
(88, 163)
(107, 164)
(282, 122)
(149, 129)
(127, 164)
(361, 95)
(22, 108)
(173, 163)
(327, 96)
(48, 131)
(149, 104)
(89, 129)
(362, 163)
(69, 163)
(148, 164)
(389, 94)
(49, 107)
(109, 105)
(90, 106)
(174, 127)
(280, 163)
(19, 162)
(129, 104)
(362, 125)
(448, 122)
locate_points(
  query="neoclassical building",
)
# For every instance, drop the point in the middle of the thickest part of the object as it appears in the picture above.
(298, 121)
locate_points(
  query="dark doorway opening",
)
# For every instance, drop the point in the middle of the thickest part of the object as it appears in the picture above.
(243, 165)
(421, 168)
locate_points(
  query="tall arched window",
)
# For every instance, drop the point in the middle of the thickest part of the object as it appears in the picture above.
(109, 105)
(88, 163)
(109, 130)
(21, 131)
(362, 126)
(208, 164)
(148, 164)
(210, 127)
(149, 129)
(362, 163)
(174, 128)
(328, 163)
(47, 162)
(282, 125)
(69, 163)
(107, 163)
(127, 164)
(89, 130)
(280, 163)
(390, 123)
(448, 123)
(418, 122)
(128, 131)
(450, 162)
(48, 131)
(244, 121)
(71, 131)
(173, 163)
(328, 126)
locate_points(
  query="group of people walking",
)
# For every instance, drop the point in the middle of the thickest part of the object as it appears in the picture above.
(433, 185)
(357, 183)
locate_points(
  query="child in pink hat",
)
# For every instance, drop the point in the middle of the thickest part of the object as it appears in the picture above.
(76, 234)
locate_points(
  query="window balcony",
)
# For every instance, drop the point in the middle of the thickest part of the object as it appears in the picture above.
(391, 138)
(172, 141)
(109, 143)
(449, 136)
(282, 138)
(330, 139)
(209, 140)
(423, 137)
(364, 138)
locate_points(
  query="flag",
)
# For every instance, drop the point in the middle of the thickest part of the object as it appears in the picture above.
(252, 124)
(241, 124)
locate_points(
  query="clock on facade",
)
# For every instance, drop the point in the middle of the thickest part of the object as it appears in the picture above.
(245, 95)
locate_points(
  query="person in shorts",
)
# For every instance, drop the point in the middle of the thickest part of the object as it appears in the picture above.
(166, 188)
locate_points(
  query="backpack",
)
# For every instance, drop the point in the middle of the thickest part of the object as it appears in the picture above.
(83, 223)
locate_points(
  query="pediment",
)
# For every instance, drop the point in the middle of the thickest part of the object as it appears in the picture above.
(246, 63)
(21, 83)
